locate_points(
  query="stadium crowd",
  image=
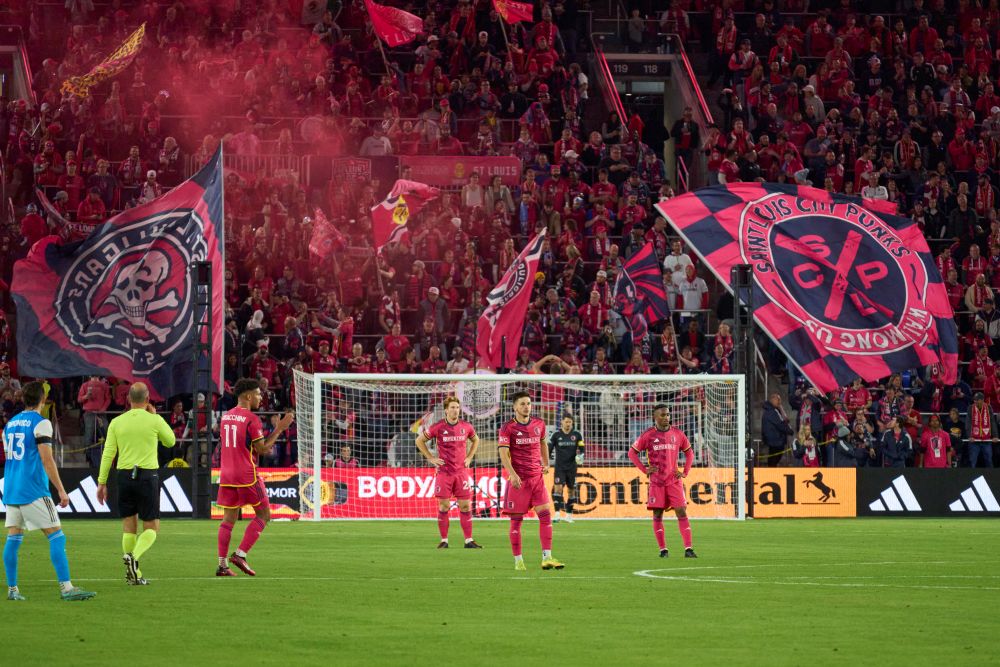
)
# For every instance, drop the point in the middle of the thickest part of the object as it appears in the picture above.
(807, 97)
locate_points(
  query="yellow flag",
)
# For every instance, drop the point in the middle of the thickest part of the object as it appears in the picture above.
(111, 66)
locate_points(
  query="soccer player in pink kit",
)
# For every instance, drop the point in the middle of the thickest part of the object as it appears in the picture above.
(525, 456)
(454, 456)
(242, 441)
(662, 443)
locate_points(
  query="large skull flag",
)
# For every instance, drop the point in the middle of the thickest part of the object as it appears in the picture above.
(121, 302)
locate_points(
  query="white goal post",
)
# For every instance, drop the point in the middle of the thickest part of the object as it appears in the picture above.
(358, 458)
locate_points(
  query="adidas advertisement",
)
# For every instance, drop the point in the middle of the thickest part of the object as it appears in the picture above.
(961, 492)
(81, 487)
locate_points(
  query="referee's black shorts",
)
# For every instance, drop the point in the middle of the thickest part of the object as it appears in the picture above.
(565, 475)
(139, 496)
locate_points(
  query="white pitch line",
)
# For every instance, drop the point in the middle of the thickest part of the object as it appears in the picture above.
(645, 573)
(497, 578)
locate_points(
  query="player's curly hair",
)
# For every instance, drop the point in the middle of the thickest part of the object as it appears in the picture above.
(448, 401)
(244, 385)
(518, 396)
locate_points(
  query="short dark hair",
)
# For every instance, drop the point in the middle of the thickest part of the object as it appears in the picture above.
(569, 417)
(660, 406)
(33, 393)
(243, 385)
(519, 395)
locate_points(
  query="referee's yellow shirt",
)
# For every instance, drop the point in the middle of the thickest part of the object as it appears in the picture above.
(134, 437)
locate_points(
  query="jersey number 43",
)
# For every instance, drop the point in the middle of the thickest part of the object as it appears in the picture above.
(13, 446)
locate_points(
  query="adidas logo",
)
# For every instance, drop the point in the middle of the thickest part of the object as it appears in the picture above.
(897, 498)
(83, 499)
(977, 498)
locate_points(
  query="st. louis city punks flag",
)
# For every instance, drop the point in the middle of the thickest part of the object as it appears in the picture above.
(326, 238)
(506, 306)
(844, 287)
(390, 216)
(394, 26)
(640, 297)
(513, 12)
(121, 302)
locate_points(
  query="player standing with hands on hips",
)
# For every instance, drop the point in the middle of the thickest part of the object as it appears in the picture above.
(525, 457)
(662, 443)
(242, 440)
(567, 449)
(134, 437)
(29, 466)
(452, 435)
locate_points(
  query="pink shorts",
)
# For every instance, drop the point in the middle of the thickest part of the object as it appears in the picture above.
(531, 494)
(666, 496)
(238, 496)
(452, 486)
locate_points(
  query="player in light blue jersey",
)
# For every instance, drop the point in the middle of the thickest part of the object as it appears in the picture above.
(27, 443)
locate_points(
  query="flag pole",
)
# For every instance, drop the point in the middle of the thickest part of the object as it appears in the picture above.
(385, 60)
(503, 29)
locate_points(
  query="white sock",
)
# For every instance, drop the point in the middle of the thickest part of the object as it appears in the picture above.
(445, 540)
(518, 559)
(12, 589)
(546, 554)
(468, 540)
(222, 561)
(241, 553)
(65, 586)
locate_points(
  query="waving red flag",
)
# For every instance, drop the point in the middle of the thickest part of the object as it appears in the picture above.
(326, 238)
(512, 12)
(506, 307)
(394, 26)
(389, 217)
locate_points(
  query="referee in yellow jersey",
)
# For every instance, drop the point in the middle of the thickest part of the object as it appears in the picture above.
(134, 437)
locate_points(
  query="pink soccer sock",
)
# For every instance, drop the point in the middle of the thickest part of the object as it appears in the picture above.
(466, 519)
(515, 534)
(443, 524)
(684, 526)
(252, 533)
(225, 535)
(661, 540)
(545, 529)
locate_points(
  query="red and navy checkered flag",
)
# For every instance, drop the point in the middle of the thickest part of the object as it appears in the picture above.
(639, 293)
(121, 302)
(843, 286)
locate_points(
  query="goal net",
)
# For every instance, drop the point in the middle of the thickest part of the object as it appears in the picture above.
(358, 458)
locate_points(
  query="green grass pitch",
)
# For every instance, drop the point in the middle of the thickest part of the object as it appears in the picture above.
(793, 592)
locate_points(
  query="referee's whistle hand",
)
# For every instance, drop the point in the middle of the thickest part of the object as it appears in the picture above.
(102, 494)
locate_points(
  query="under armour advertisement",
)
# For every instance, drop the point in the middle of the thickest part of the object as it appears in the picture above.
(121, 302)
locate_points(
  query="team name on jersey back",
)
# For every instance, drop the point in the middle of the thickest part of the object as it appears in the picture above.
(239, 428)
(25, 480)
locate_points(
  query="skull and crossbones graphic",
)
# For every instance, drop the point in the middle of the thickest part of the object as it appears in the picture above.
(134, 295)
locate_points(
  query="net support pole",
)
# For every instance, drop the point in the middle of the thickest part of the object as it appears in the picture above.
(202, 383)
(503, 369)
(317, 444)
(741, 281)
